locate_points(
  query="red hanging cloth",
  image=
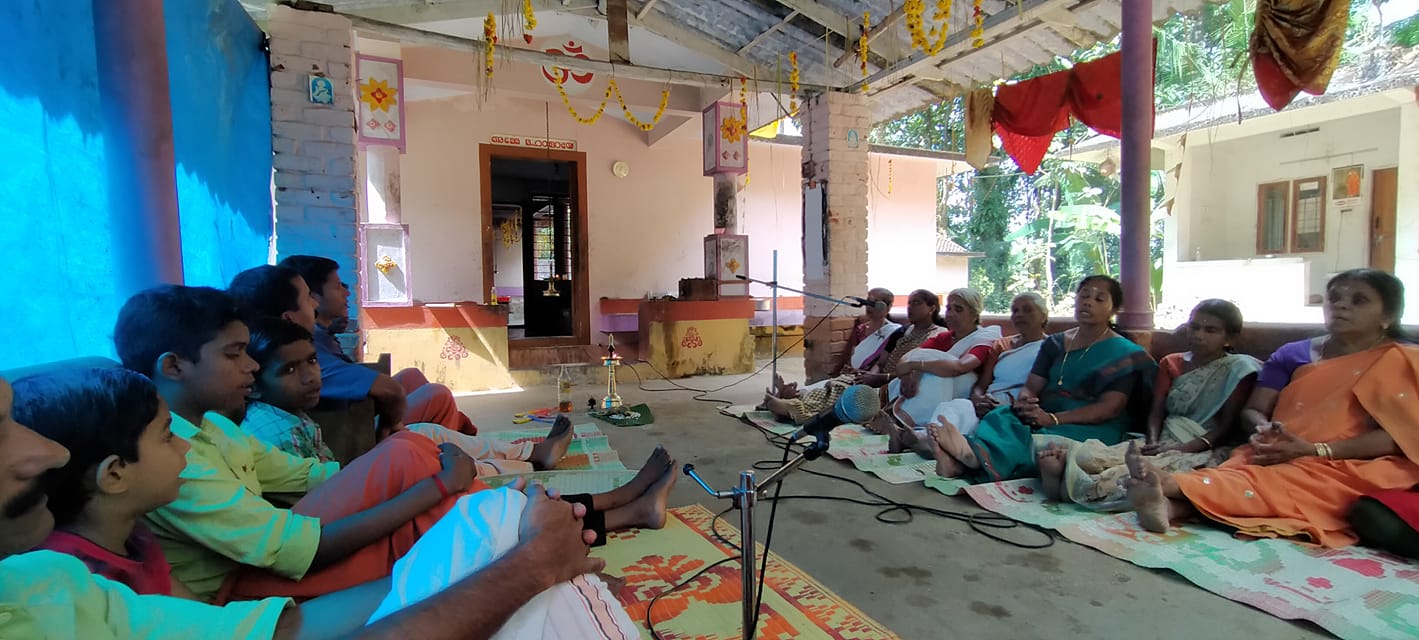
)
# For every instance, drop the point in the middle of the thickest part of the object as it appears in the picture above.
(1028, 114)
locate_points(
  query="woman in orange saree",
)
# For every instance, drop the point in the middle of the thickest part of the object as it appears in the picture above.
(1341, 425)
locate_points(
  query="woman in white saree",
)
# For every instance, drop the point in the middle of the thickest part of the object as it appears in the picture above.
(942, 369)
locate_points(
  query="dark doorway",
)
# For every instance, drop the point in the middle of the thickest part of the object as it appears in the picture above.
(535, 243)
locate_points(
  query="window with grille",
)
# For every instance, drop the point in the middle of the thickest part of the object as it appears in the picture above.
(1308, 216)
(544, 245)
(1290, 216)
(565, 240)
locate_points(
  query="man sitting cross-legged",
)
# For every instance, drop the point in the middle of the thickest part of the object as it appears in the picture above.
(279, 309)
(52, 595)
(405, 397)
(225, 542)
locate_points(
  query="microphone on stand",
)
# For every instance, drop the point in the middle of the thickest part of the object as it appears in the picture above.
(858, 404)
(864, 302)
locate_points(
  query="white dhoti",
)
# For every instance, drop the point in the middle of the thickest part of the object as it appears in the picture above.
(480, 529)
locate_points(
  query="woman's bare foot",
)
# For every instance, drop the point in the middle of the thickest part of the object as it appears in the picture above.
(953, 443)
(647, 511)
(946, 466)
(1051, 462)
(777, 406)
(653, 470)
(549, 452)
(1145, 492)
(882, 423)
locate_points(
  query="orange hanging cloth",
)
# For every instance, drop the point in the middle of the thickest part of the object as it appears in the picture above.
(1295, 47)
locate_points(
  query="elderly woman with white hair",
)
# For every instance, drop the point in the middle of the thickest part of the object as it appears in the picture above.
(942, 369)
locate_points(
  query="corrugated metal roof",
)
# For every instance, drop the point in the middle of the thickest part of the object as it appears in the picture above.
(1019, 34)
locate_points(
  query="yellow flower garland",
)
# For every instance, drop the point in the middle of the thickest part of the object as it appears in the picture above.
(572, 110)
(932, 42)
(644, 126)
(978, 33)
(490, 41)
(889, 176)
(613, 89)
(529, 18)
(862, 45)
(793, 82)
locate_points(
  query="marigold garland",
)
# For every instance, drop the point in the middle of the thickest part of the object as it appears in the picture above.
(490, 41)
(862, 46)
(614, 89)
(793, 82)
(644, 126)
(529, 17)
(572, 110)
(889, 176)
(933, 41)
(978, 32)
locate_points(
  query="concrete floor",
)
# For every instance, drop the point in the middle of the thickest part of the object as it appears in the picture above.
(933, 578)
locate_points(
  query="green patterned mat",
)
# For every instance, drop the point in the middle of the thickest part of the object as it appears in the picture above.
(1352, 592)
(867, 451)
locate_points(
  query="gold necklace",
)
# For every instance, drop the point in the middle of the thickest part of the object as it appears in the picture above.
(1063, 363)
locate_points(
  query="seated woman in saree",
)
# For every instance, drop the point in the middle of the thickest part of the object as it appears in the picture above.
(1334, 419)
(943, 369)
(866, 344)
(1006, 370)
(1083, 385)
(924, 318)
(1197, 404)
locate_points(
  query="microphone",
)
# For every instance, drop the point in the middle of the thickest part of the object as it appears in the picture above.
(858, 404)
(864, 302)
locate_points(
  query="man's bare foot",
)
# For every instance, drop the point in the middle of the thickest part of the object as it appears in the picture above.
(647, 511)
(1051, 462)
(953, 443)
(549, 452)
(654, 469)
(946, 466)
(1145, 492)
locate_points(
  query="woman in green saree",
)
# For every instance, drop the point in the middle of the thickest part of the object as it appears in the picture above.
(1197, 404)
(1087, 382)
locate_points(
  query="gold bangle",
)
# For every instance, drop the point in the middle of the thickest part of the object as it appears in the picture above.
(1205, 441)
(1055, 418)
(1329, 455)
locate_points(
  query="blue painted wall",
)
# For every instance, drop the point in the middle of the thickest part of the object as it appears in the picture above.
(221, 121)
(57, 291)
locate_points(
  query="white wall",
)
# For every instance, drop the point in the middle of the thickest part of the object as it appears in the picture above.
(901, 225)
(952, 272)
(646, 230)
(1222, 180)
(1407, 227)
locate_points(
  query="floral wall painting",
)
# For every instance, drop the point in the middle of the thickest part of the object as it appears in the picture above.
(380, 82)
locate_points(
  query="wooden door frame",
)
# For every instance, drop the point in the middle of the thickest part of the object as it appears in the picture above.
(1393, 237)
(581, 285)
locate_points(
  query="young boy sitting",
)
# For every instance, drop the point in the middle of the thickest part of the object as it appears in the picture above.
(351, 526)
(53, 595)
(124, 461)
(276, 303)
(405, 397)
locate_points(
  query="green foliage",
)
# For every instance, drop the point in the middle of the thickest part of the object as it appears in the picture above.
(1048, 231)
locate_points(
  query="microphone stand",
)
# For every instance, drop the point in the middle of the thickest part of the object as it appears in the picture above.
(745, 496)
(773, 284)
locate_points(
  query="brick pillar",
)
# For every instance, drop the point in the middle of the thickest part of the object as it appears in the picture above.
(313, 144)
(837, 161)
